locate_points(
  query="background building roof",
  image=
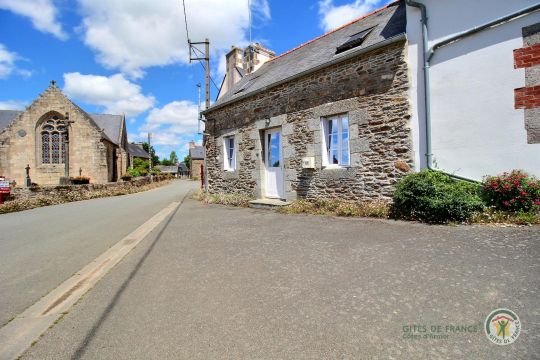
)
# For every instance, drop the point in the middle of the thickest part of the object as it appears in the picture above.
(137, 151)
(384, 23)
(196, 152)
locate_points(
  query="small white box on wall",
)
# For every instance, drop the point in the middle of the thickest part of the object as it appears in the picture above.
(308, 162)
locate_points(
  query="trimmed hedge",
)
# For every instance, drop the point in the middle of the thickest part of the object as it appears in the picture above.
(434, 197)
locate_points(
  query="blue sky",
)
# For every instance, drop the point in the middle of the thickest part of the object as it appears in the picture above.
(131, 56)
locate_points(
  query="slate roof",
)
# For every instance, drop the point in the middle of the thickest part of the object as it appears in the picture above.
(183, 167)
(6, 117)
(196, 153)
(172, 169)
(386, 23)
(111, 125)
(137, 151)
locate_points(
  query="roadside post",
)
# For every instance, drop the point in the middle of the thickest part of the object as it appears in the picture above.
(202, 176)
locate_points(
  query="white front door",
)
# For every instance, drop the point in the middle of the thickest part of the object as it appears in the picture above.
(274, 164)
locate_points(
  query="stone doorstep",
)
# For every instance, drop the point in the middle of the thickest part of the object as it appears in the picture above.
(268, 203)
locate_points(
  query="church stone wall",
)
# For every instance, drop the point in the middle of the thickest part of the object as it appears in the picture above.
(19, 144)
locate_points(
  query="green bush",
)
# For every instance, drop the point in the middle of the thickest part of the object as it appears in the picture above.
(434, 197)
(516, 191)
(133, 172)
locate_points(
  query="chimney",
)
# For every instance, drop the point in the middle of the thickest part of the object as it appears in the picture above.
(255, 55)
(234, 71)
(192, 144)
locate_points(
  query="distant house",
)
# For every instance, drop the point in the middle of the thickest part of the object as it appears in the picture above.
(183, 170)
(196, 153)
(166, 169)
(136, 150)
(52, 132)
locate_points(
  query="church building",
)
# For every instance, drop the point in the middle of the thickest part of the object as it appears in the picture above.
(58, 140)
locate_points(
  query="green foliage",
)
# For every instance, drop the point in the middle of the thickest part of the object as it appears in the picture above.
(173, 158)
(152, 152)
(166, 162)
(187, 161)
(434, 197)
(516, 191)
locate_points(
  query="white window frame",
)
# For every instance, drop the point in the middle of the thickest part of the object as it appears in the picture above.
(229, 163)
(325, 139)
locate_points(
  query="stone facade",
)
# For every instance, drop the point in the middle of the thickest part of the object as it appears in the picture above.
(90, 153)
(372, 88)
(528, 97)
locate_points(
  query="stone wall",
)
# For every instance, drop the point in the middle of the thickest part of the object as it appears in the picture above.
(528, 97)
(372, 88)
(19, 143)
(35, 191)
(196, 168)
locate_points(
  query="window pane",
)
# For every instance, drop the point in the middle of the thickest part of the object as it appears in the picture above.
(345, 141)
(45, 148)
(55, 148)
(273, 158)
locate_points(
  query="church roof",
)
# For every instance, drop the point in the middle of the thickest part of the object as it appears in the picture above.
(6, 117)
(111, 125)
(137, 151)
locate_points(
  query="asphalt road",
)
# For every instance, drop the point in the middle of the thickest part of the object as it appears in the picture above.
(222, 283)
(40, 248)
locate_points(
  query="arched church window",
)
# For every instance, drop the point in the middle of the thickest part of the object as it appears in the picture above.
(54, 135)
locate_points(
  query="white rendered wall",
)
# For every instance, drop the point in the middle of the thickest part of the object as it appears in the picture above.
(475, 129)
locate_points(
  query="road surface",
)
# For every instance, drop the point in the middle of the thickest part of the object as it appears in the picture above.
(40, 248)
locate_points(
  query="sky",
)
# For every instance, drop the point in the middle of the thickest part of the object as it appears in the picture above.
(131, 56)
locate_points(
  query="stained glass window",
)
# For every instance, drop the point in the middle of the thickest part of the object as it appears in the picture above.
(54, 136)
(45, 147)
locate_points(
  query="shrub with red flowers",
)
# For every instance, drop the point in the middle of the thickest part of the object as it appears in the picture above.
(515, 191)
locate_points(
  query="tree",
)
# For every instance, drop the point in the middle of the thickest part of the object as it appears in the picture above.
(187, 161)
(152, 152)
(167, 162)
(173, 158)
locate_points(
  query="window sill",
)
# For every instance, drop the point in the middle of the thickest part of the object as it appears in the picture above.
(336, 167)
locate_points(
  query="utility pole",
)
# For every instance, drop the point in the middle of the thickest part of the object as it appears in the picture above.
(206, 59)
(150, 153)
(199, 115)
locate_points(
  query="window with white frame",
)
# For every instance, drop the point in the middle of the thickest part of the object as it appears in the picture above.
(335, 140)
(229, 163)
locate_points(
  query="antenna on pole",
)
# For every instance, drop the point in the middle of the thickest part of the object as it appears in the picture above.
(199, 109)
(249, 12)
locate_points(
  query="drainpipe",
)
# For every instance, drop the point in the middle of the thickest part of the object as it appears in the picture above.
(427, 55)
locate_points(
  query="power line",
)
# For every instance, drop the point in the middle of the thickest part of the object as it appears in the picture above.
(204, 67)
(185, 19)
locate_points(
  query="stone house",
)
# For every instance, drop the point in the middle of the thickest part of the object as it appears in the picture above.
(196, 155)
(330, 118)
(136, 151)
(53, 129)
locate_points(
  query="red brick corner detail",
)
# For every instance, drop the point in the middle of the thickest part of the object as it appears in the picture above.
(527, 97)
(527, 56)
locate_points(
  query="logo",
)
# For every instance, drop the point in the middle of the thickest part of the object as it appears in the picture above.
(502, 326)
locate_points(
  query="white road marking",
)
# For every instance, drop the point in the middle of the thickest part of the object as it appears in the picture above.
(20, 333)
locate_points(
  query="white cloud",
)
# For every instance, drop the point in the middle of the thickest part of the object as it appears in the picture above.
(172, 126)
(13, 104)
(42, 13)
(136, 34)
(115, 93)
(333, 16)
(8, 64)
